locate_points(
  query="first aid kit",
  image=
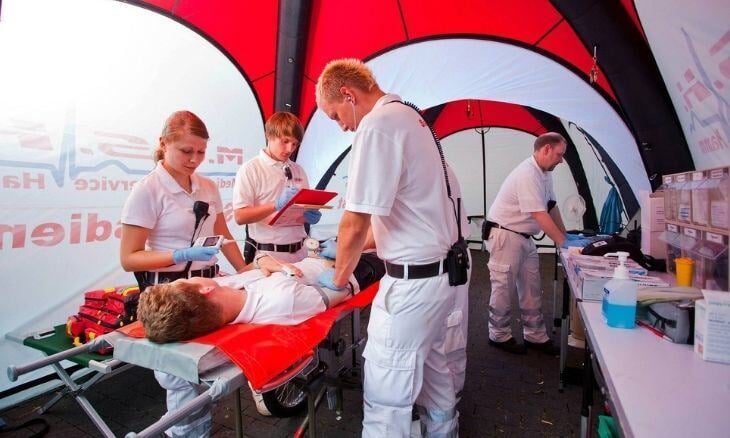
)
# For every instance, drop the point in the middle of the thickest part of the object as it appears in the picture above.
(103, 311)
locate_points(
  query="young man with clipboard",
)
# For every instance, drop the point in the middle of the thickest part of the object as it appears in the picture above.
(265, 184)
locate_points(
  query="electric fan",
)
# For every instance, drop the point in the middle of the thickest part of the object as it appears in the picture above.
(573, 208)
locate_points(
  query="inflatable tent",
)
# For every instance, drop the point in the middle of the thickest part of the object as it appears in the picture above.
(640, 88)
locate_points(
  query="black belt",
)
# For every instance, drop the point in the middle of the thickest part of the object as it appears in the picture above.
(416, 271)
(291, 247)
(167, 277)
(496, 225)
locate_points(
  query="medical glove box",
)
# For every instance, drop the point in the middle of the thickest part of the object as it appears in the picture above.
(684, 186)
(700, 198)
(595, 263)
(669, 187)
(712, 326)
(590, 283)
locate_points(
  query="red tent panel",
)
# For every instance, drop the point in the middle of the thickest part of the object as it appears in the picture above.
(245, 30)
(336, 31)
(455, 117)
(248, 32)
(564, 44)
(479, 17)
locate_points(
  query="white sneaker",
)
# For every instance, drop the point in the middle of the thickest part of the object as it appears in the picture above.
(258, 399)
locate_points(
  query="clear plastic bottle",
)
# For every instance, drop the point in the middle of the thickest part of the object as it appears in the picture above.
(619, 296)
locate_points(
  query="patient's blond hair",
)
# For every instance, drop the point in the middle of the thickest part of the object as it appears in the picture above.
(348, 72)
(172, 312)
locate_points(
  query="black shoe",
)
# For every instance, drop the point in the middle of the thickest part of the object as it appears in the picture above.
(510, 346)
(546, 347)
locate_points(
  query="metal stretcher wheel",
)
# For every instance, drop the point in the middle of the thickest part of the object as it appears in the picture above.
(287, 400)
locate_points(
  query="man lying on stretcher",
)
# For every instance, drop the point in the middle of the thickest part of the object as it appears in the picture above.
(188, 308)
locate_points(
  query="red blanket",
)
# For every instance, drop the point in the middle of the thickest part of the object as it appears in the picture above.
(265, 351)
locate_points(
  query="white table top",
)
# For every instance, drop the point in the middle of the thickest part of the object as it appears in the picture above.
(658, 388)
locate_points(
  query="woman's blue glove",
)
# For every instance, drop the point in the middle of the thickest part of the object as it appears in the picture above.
(312, 216)
(285, 197)
(328, 249)
(327, 279)
(194, 253)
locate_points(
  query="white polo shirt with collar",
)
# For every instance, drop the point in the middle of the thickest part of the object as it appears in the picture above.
(526, 189)
(396, 175)
(260, 181)
(159, 204)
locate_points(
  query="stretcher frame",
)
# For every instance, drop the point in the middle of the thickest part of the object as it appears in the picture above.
(313, 372)
(72, 386)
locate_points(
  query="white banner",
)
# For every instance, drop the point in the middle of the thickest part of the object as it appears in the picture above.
(691, 44)
(86, 87)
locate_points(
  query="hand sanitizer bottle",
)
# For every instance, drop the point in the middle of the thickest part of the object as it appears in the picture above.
(619, 296)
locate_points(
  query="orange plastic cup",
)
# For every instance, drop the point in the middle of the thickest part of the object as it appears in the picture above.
(685, 270)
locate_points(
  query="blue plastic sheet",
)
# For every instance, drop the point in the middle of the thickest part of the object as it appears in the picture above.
(610, 222)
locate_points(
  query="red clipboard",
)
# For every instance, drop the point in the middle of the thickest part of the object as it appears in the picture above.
(293, 214)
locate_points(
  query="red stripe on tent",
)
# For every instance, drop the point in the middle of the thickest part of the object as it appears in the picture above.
(510, 20)
(264, 88)
(307, 102)
(467, 114)
(162, 4)
(564, 43)
(338, 30)
(335, 32)
(248, 32)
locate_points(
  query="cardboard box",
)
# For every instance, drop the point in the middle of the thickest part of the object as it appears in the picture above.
(590, 283)
(712, 326)
(652, 223)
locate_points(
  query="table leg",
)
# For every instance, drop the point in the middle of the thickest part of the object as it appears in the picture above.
(564, 333)
(556, 320)
(587, 399)
(239, 420)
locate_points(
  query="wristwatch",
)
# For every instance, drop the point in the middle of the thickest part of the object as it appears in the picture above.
(256, 260)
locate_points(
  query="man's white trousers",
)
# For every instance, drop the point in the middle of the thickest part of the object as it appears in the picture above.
(415, 355)
(514, 264)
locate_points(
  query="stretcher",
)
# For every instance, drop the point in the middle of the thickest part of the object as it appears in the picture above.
(95, 368)
(310, 357)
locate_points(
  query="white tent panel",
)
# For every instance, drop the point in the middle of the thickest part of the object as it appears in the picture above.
(501, 72)
(691, 44)
(86, 86)
(591, 166)
(505, 149)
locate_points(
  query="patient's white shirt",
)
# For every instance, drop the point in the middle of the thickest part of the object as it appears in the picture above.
(281, 299)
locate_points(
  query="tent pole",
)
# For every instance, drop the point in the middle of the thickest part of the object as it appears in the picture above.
(484, 172)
